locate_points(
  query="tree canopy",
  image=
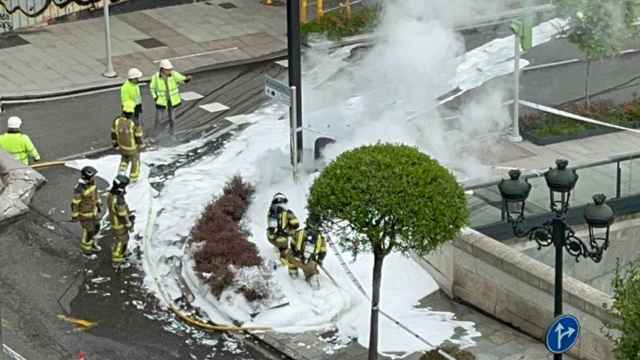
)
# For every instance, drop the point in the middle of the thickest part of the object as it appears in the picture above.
(389, 197)
(627, 304)
(598, 27)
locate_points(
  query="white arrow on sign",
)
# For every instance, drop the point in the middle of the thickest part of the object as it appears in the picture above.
(561, 335)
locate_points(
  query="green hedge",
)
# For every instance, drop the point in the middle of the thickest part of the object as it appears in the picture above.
(545, 124)
(336, 25)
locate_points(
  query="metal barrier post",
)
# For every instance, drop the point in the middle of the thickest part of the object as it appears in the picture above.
(618, 180)
(319, 9)
(304, 11)
(107, 39)
(2, 357)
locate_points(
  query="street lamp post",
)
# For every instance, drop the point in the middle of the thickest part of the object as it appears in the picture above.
(557, 232)
(107, 39)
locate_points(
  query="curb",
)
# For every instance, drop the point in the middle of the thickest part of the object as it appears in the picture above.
(114, 84)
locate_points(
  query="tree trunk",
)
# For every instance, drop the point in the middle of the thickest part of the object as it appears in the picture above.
(375, 301)
(586, 86)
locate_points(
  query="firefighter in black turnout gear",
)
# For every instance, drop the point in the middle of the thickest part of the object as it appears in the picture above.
(281, 225)
(308, 250)
(85, 208)
(121, 220)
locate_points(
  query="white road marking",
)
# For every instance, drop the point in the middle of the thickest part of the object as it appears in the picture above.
(10, 352)
(283, 63)
(238, 119)
(214, 107)
(190, 95)
(198, 54)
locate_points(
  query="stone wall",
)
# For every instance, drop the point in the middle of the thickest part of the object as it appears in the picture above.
(623, 247)
(518, 290)
(18, 183)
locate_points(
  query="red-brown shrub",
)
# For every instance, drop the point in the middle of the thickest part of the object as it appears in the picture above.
(232, 206)
(238, 187)
(223, 243)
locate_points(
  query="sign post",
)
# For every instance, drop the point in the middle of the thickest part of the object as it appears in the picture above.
(288, 95)
(523, 35)
(295, 65)
(294, 132)
(562, 334)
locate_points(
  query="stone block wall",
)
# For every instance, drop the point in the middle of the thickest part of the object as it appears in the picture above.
(518, 290)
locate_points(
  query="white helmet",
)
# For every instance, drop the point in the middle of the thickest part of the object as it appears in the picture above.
(14, 122)
(134, 73)
(166, 64)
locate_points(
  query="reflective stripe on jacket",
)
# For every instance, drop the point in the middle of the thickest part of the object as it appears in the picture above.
(158, 88)
(118, 212)
(319, 248)
(85, 202)
(130, 92)
(19, 146)
(126, 134)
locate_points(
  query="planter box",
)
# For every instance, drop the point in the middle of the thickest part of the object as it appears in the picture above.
(530, 135)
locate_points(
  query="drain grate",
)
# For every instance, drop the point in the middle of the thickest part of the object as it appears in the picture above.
(227, 5)
(11, 40)
(150, 43)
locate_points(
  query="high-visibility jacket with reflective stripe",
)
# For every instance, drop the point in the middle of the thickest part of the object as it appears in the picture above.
(130, 92)
(126, 134)
(166, 87)
(19, 146)
(118, 212)
(85, 201)
(319, 247)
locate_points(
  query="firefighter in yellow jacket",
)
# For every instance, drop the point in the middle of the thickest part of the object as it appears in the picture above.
(281, 225)
(86, 208)
(121, 220)
(126, 136)
(308, 250)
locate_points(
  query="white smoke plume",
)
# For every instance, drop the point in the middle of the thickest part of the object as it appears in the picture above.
(390, 94)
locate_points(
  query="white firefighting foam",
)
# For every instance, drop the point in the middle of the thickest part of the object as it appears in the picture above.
(259, 154)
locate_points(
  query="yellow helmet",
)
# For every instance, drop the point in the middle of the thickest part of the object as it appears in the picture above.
(129, 107)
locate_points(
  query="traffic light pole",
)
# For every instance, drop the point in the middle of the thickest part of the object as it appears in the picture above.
(295, 68)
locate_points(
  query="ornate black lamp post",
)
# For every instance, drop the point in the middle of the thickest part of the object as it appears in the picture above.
(556, 231)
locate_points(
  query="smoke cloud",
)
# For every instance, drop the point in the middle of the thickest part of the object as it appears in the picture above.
(390, 93)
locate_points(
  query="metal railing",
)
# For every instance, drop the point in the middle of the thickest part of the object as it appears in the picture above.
(529, 174)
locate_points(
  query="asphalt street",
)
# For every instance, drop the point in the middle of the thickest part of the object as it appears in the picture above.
(75, 125)
(40, 256)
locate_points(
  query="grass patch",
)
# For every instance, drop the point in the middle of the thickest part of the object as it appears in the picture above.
(336, 25)
(223, 245)
(547, 125)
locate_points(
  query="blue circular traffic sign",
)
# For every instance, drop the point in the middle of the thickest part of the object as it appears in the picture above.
(562, 334)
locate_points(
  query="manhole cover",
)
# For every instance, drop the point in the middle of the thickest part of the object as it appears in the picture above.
(150, 43)
(227, 5)
(11, 40)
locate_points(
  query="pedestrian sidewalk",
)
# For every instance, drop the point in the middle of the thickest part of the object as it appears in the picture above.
(71, 56)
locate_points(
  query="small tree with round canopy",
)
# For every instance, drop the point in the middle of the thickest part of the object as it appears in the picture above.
(383, 198)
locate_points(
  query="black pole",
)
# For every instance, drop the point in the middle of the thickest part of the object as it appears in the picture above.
(295, 75)
(559, 233)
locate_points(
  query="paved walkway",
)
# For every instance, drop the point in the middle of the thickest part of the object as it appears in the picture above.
(525, 155)
(72, 55)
